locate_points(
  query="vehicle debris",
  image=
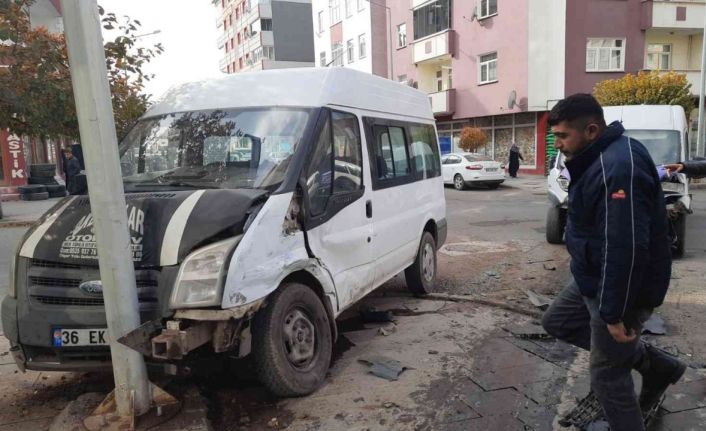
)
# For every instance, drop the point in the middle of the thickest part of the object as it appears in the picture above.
(654, 325)
(540, 301)
(371, 315)
(384, 367)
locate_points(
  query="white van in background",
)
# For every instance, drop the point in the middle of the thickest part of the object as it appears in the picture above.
(261, 205)
(664, 131)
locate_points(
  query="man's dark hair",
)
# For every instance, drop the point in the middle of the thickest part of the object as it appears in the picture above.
(578, 110)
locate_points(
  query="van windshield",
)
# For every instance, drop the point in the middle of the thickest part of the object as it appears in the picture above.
(239, 148)
(664, 145)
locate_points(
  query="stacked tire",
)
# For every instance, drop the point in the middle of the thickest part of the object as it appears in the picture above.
(42, 184)
(42, 174)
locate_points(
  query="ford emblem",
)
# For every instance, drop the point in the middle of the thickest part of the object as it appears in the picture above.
(93, 287)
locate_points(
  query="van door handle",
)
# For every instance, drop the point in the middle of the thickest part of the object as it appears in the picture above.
(369, 209)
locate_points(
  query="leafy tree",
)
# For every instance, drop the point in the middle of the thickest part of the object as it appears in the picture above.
(36, 96)
(472, 138)
(646, 88)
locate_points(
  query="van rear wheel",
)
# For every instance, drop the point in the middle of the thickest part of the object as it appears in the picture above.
(292, 342)
(421, 276)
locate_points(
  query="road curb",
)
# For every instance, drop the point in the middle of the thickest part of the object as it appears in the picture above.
(16, 223)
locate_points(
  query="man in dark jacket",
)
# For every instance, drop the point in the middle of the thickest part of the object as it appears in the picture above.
(72, 168)
(617, 236)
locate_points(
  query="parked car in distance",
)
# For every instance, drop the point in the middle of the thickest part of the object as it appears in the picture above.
(468, 169)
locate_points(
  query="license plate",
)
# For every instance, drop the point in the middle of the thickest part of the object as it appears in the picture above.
(491, 169)
(80, 337)
(672, 187)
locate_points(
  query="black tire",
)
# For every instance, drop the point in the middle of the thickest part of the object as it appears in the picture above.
(55, 188)
(679, 245)
(42, 170)
(41, 180)
(421, 276)
(30, 189)
(297, 307)
(493, 186)
(35, 196)
(459, 182)
(556, 225)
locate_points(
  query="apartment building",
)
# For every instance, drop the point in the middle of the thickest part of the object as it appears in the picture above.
(265, 34)
(353, 33)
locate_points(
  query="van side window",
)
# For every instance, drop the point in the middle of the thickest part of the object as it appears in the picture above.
(424, 151)
(336, 164)
(318, 175)
(348, 153)
(391, 152)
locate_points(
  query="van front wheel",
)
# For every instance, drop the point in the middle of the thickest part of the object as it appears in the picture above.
(292, 342)
(421, 276)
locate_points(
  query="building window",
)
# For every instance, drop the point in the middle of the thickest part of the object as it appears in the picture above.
(349, 8)
(337, 52)
(432, 18)
(361, 5)
(321, 22)
(350, 49)
(488, 8)
(488, 68)
(659, 56)
(335, 9)
(268, 52)
(266, 24)
(362, 48)
(605, 55)
(402, 35)
(322, 58)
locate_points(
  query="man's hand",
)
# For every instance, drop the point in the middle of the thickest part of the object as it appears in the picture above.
(620, 333)
(677, 167)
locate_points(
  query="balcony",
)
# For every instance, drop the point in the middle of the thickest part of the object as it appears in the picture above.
(443, 102)
(673, 15)
(434, 47)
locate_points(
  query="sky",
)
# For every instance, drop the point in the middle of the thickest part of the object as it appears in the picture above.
(188, 35)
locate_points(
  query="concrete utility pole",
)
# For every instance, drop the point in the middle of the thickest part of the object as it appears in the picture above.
(105, 189)
(702, 88)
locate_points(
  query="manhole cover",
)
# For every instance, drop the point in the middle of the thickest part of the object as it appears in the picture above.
(475, 247)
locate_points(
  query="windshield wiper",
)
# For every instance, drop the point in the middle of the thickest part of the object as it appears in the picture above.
(178, 184)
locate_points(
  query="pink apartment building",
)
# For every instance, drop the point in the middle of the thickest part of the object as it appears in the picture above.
(501, 65)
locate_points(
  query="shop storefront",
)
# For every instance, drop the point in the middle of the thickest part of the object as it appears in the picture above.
(527, 129)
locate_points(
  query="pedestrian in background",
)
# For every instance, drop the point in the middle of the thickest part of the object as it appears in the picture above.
(618, 238)
(515, 158)
(72, 167)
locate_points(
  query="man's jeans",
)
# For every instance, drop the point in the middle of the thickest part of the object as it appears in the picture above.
(575, 319)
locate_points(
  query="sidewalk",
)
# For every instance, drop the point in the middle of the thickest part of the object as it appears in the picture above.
(24, 213)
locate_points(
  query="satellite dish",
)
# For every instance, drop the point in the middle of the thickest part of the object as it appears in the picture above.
(512, 100)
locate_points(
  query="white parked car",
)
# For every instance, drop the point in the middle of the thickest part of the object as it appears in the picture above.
(465, 169)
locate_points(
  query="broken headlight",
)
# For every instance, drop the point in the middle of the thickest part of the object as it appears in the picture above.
(202, 275)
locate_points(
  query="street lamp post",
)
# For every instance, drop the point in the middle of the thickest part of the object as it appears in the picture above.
(702, 89)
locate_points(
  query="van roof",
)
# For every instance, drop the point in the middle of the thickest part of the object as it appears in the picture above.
(647, 117)
(302, 87)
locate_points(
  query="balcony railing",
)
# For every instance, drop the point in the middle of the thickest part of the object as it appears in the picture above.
(443, 102)
(674, 14)
(434, 46)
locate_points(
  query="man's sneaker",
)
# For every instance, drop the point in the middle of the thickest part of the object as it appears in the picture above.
(661, 371)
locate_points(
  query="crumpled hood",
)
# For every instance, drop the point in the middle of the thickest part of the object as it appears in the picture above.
(164, 226)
